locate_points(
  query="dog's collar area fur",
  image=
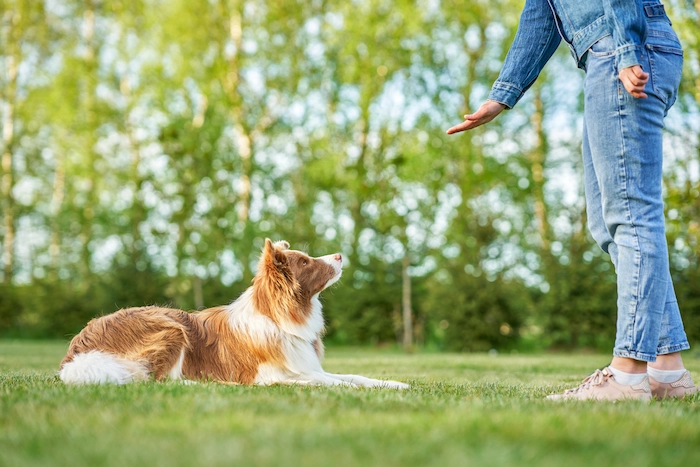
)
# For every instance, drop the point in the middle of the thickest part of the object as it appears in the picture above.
(271, 334)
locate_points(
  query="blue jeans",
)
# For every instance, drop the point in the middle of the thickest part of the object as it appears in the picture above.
(622, 155)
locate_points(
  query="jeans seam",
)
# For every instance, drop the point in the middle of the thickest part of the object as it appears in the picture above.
(652, 77)
(625, 197)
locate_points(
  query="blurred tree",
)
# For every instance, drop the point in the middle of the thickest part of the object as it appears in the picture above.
(23, 41)
(150, 146)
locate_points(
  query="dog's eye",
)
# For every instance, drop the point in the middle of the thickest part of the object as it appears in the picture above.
(303, 262)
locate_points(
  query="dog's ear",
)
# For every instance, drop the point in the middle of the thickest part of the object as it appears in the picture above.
(274, 255)
(282, 245)
(274, 288)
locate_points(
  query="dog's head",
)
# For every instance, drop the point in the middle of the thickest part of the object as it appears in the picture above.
(287, 280)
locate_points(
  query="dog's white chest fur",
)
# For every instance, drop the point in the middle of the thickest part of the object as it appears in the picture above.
(278, 342)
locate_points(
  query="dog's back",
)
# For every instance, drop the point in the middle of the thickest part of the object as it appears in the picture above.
(270, 334)
(136, 343)
(129, 345)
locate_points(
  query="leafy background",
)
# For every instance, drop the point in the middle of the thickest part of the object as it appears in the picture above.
(150, 146)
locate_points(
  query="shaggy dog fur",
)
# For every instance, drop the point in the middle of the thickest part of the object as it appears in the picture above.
(270, 334)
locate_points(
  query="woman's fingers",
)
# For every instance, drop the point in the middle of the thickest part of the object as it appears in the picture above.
(487, 112)
(634, 79)
(469, 123)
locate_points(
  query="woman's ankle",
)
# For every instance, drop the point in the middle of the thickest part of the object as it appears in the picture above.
(629, 365)
(672, 361)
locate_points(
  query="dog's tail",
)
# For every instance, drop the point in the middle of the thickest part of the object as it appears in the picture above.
(97, 367)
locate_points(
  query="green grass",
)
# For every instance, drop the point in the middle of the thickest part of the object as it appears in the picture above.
(468, 409)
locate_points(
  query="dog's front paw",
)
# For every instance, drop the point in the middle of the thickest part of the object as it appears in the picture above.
(394, 385)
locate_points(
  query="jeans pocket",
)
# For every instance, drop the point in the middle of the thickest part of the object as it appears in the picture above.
(603, 47)
(666, 65)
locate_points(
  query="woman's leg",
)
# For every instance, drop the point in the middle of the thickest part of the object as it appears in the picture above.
(671, 324)
(623, 164)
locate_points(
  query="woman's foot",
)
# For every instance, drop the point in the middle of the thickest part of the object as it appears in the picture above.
(682, 387)
(601, 385)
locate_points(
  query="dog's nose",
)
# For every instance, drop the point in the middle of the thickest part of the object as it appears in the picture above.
(338, 257)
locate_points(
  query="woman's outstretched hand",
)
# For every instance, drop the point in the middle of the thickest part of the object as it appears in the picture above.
(487, 112)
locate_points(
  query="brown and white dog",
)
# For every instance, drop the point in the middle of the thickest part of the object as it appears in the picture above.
(270, 334)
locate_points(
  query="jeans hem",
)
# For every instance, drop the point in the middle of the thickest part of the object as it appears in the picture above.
(673, 348)
(645, 357)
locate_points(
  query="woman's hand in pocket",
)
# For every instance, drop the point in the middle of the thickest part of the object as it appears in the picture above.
(634, 79)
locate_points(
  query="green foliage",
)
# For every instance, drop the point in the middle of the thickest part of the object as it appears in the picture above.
(476, 313)
(579, 309)
(10, 307)
(364, 308)
(155, 144)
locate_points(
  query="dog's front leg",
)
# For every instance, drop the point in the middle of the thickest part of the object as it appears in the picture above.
(320, 379)
(369, 382)
(187, 382)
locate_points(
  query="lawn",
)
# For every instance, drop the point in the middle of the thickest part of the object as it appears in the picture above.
(462, 409)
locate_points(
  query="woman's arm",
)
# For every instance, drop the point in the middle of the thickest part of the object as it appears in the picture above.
(629, 30)
(535, 41)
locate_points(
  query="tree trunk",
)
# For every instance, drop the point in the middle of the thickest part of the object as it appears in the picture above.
(242, 134)
(8, 207)
(56, 205)
(90, 127)
(197, 290)
(537, 160)
(138, 209)
(406, 305)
